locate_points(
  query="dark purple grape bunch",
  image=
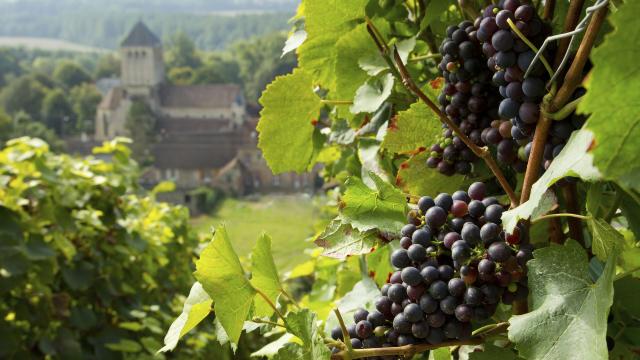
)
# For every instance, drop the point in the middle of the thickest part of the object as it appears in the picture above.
(455, 266)
(468, 98)
(509, 57)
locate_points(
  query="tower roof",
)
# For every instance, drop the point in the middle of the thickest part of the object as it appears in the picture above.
(140, 35)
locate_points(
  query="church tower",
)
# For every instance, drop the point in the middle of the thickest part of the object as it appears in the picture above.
(142, 66)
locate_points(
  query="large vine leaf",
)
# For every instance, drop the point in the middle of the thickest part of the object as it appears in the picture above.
(220, 273)
(610, 100)
(604, 238)
(412, 129)
(326, 21)
(383, 207)
(372, 94)
(492, 352)
(349, 49)
(569, 311)
(264, 275)
(195, 309)
(340, 240)
(286, 123)
(303, 325)
(417, 179)
(575, 159)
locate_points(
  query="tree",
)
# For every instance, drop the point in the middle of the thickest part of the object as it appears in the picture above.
(141, 125)
(70, 74)
(108, 66)
(57, 113)
(181, 52)
(85, 99)
(9, 65)
(217, 70)
(180, 75)
(23, 94)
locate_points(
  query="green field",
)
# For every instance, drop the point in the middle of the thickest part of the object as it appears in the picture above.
(288, 219)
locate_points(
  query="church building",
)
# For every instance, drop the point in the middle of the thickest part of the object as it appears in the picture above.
(205, 137)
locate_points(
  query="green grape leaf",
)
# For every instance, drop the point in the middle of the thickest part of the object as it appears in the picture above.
(264, 275)
(286, 124)
(303, 325)
(372, 160)
(326, 21)
(374, 64)
(363, 295)
(417, 179)
(379, 264)
(294, 41)
(349, 49)
(340, 240)
(195, 309)
(222, 277)
(614, 117)
(125, 345)
(441, 353)
(273, 347)
(370, 96)
(383, 207)
(412, 129)
(575, 159)
(625, 327)
(631, 211)
(434, 9)
(492, 352)
(605, 240)
(569, 312)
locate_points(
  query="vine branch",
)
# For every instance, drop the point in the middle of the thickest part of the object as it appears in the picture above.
(550, 216)
(410, 85)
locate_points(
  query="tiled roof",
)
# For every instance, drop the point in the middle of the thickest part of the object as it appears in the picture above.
(199, 96)
(140, 35)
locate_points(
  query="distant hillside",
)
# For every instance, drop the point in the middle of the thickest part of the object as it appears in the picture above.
(47, 44)
(103, 23)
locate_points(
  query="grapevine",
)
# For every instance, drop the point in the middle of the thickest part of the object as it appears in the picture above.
(482, 197)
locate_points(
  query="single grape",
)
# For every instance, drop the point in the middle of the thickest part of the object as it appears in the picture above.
(508, 108)
(489, 232)
(456, 287)
(383, 305)
(428, 304)
(401, 324)
(405, 243)
(459, 208)
(417, 252)
(413, 313)
(476, 208)
(533, 87)
(400, 259)
(430, 274)
(502, 40)
(502, 17)
(359, 315)
(411, 276)
(464, 313)
(395, 277)
(529, 112)
(486, 266)
(436, 320)
(477, 191)
(436, 217)
(438, 290)
(471, 233)
(397, 293)
(425, 203)
(336, 333)
(444, 201)
(446, 272)
(448, 305)
(364, 329)
(420, 330)
(499, 251)
(356, 343)
(406, 339)
(422, 236)
(493, 213)
(415, 292)
(473, 296)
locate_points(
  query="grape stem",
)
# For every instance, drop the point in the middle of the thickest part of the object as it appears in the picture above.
(566, 110)
(549, 8)
(407, 81)
(407, 351)
(290, 298)
(272, 323)
(550, 216)
(337, 102)
(348, 353)
(558, 99)
(273, 306)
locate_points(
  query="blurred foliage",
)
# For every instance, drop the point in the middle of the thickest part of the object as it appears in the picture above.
(89, 263)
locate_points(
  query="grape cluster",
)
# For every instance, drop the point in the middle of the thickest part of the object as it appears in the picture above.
(454, 266)
(508, 56)
(468, 98)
